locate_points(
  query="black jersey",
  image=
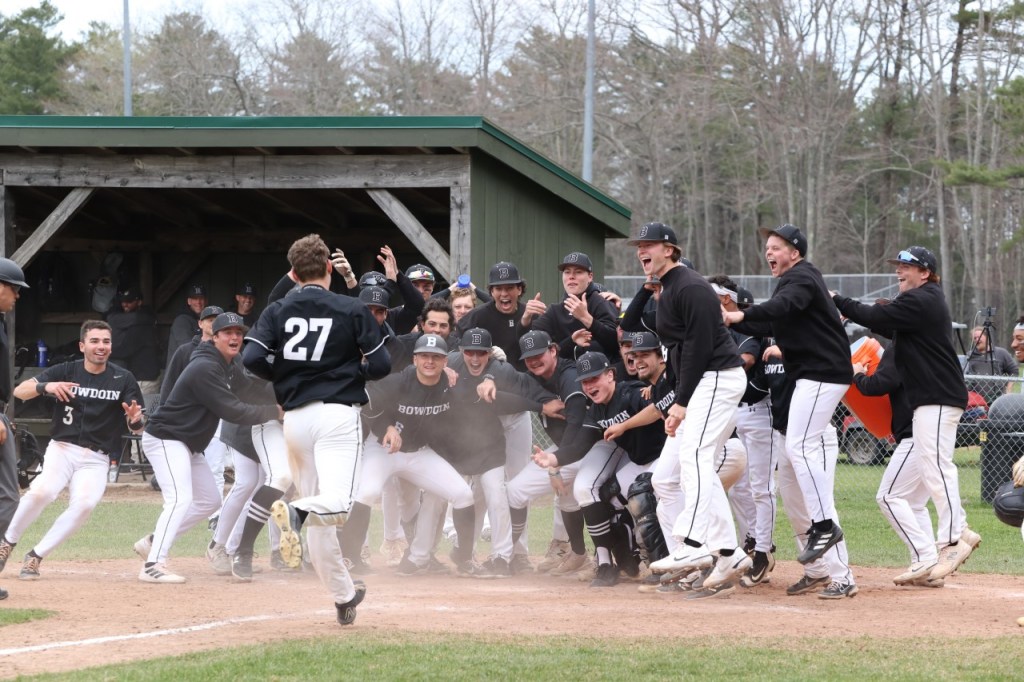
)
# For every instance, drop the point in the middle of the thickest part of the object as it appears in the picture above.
(663, 393)
(418, 411)
(886, 381)
(560, 325)
(643, 444)
(93, 418)
(311, 345)
(756, 391)
(505, 329)
(566, 386)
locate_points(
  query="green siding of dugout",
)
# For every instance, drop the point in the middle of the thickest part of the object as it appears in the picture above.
(515, 220)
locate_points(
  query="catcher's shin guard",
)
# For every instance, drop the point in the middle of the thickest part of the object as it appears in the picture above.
(642, 505)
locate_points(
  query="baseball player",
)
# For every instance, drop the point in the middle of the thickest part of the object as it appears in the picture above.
(709, 382)
(96, 404)
(902, 495)
(410, 412)
(185, 326)
(12, 279)
(181, 428)
(557, 375)
(502, 317)
(919, 322)
(625, 455)
(817, 359)
(319, 349)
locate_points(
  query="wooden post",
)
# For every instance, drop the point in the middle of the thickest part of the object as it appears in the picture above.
(460, 242)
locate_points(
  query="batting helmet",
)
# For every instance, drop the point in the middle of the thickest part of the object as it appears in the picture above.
(11, 273)
(1009, 504)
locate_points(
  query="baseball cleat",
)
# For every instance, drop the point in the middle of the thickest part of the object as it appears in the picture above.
(407, 568)
(158, 573)
(218, 558)
(571, 563)
(498, 567)
(241, 566)
(471, 569)
(723, 590)
(917, 571)
(4, 595)
(558, 550)
(651, 583)
(607, 576)
(393, 551)
(277, 563)
(685, 558)
(951, 558)
(838, 590)
(143, 546)
(806, 584)
(520, 563)
(30, 567)
(819, 542)
(358, 566)
(928, 581)
(5, 553)
(347, 611)
(728, 569)
(286, 520)
(760, 572)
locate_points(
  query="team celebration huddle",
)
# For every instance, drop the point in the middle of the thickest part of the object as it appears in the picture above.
(665, 430)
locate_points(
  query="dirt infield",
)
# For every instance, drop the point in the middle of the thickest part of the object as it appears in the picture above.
(104, 615)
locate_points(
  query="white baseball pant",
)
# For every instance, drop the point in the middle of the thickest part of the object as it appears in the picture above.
(935, 437)
(248, 477)
(602, 461)
(324, 453)
(810, 412)
(835, 563)
(188, 488)
(706, 517)
(754, 427)
(903, 498)
(518, 450)
(268, 441)
(83, 472)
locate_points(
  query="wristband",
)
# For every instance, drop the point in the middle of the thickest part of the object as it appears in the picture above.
(555, 473)
(41, 387)
(135, 426)
(488, 376)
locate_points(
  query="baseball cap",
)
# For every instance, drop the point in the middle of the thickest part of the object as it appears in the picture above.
(477, 338)
(420, 272)
(228, 320)
(591, 364)
(210, 311)
(788, 233)
(656, 232)
(431, 343)
(744, 299)
(687, 262)
(196, 290)
(643, 341)
(627, 337)
(372, 295)
(131, 294)
(533, 343)
(246, 289)
(372, 279)
(504, 273)
(578, 260)
(916, 255)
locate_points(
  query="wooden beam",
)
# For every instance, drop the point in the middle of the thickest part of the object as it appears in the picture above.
(182, 271)
(236, 172)
(414, 230)
(459, 242)
(65, 210)
(312, 217)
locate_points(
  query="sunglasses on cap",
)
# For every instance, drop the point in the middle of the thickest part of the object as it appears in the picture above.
(907, 257)
(421, 274)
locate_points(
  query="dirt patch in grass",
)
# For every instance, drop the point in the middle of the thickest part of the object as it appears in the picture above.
(106, 616)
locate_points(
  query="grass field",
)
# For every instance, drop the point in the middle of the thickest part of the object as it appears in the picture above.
(366, 653)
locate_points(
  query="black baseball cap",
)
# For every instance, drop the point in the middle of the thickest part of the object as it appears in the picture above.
(229, 320)
(791, 234)
(627, 337)
(420, 271)
(577, 259)
(377, 296)
(656, 232)
(504, 273)
(476, 338)
(131, 294)
(643, 341)
(210, 311)
(431, 343)
(533, 343)
(591, 364)
(246, 289)
(196, 290)
(687, 262)
(744, 299)
(372, 279)
(916, 255)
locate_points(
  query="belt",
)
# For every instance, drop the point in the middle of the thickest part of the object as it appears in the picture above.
(754, 404)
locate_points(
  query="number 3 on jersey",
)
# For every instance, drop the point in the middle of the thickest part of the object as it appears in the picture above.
(299, 328)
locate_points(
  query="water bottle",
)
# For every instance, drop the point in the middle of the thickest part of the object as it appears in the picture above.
(44, 354)
(112, 473)
(463, 281)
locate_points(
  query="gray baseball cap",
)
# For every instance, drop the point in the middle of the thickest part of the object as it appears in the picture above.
(533, 343)
(591, 364)
(228, 320)
(431, 343)
(476, 338)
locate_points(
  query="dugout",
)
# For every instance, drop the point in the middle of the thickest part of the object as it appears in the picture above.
(169, 202)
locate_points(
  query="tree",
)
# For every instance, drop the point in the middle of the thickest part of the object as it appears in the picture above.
(94, 76)
(31, 61)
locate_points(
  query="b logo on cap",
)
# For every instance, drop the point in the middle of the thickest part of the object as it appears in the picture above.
(572, 258)
(643, 232)
(528, 342)
(432, 341)
(585, 365)
(377, 297)
(476, 340)
(503, 273)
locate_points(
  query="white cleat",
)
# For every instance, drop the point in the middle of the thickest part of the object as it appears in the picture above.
(684, 558)
(728, 569)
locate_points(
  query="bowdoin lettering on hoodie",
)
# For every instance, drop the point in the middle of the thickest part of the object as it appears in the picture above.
(423, 410)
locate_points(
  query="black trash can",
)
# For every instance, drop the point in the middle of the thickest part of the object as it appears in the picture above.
(1002, 443)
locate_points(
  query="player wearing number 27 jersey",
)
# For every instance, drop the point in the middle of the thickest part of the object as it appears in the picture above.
(319, 349)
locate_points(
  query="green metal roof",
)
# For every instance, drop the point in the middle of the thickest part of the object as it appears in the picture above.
(458, 132)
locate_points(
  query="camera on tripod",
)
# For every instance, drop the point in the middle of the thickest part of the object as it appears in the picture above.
(987, 312)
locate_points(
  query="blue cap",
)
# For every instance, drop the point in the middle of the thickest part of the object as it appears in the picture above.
(463, 281)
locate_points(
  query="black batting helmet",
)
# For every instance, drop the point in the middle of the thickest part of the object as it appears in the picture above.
(11, 273)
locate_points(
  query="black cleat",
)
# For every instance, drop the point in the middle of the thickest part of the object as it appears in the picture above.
(241, 566)
(819, 542)
(607, 576)
(347, 611)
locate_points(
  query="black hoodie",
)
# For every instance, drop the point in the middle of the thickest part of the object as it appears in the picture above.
(201, 397)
